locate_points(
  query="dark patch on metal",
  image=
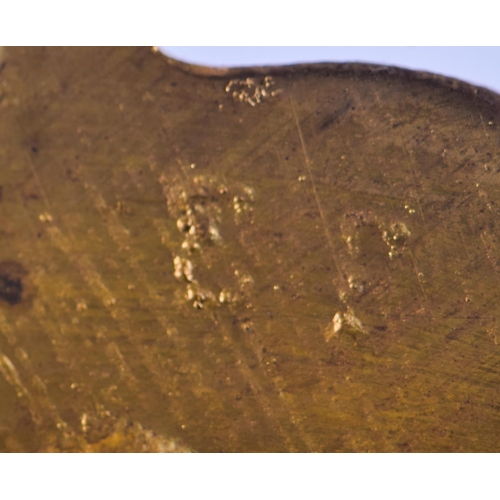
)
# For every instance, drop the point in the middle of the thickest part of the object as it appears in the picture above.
(11, 282)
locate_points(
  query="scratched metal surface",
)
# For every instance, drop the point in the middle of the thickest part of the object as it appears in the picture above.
(287, 259)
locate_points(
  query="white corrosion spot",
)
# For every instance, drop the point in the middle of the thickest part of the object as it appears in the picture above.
(214, 233)
(81, 306)
(355, 284)
(178, 267)
(250, 191)
(190, 293)
(45, 217)
(111, 301)
(337, 322)
(354, 322)
(183, 267)
(190, 246)
(243, 278)
(334, 327)
(83, 421)
(225, 296)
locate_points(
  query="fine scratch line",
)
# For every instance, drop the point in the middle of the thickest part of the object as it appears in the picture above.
(10, 374)
(329, 237)
(414, 178)
(38, 183)
(417, 274)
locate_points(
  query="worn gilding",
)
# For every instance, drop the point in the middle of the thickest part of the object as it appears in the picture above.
(268, 259)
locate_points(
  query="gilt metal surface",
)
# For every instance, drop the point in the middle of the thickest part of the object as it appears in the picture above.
(274, 259)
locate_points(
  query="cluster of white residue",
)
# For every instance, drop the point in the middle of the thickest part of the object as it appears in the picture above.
(199, 204)
(251, 90)
(396, 237)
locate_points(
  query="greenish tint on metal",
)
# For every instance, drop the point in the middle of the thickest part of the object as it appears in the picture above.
(271, 259)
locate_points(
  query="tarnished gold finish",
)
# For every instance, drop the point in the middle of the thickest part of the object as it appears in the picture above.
(287, 259)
